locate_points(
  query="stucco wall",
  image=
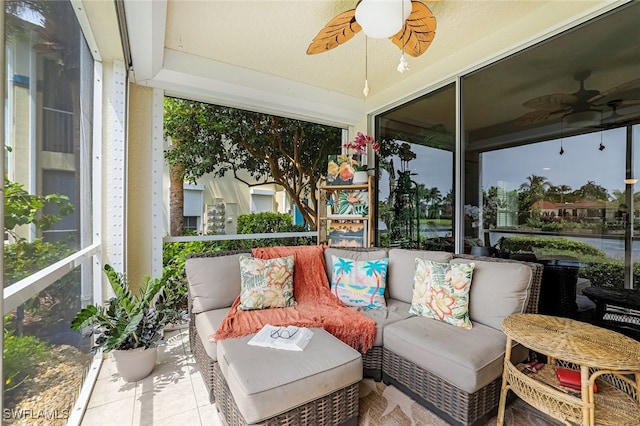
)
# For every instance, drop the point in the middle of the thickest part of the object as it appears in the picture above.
(139, 184)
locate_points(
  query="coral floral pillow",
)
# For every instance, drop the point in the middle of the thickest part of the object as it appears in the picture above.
(441, 291)
(360, 283)
(266, 283)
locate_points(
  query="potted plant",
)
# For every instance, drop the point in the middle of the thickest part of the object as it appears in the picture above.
(360, 145)
(131, 326)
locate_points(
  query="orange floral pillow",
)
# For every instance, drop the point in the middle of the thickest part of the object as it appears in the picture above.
(266, 283)
(441, 291)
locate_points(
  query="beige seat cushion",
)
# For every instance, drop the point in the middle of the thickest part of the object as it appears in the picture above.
(214, 282)
(402, 265)
(395, 311)
(206, 324)
(469, 359)
(498, 289)
(266, 382)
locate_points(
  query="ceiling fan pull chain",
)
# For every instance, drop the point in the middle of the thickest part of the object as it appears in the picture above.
(403, 65)
(366, 67)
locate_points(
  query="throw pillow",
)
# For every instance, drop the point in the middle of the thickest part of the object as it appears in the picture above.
(359, 283)
(441, 291)
(266, 283)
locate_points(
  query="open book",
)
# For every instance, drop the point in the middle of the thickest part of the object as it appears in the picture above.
(290, 338)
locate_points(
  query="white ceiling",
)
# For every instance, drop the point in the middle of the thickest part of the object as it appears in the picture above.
(252, 54)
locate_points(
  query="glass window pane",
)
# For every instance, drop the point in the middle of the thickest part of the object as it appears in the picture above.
(47, 202)
(547, 150)
(49, 113)
(415, 193)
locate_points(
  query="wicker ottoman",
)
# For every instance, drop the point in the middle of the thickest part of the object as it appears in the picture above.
(263, 386)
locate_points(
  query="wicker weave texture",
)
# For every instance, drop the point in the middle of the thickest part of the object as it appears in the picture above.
(204, 363)
(337, 408)
(464, 408)
(574, 341)
(615, 404)
(372, 359)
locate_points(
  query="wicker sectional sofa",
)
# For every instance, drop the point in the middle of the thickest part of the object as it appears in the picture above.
(454, 372)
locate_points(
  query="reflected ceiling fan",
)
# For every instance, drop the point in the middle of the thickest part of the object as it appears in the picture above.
(412, 32)
(583, 108)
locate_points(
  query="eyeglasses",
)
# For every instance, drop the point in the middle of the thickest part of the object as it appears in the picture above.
(283, 333)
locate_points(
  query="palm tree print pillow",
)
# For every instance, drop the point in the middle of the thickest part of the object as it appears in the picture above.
(441, 291)
(360, 283)
(266, 283)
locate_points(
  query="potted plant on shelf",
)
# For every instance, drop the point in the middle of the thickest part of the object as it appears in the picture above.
(360, 144)
(131, 326)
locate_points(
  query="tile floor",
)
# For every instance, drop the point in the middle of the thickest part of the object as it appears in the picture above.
(173, 394)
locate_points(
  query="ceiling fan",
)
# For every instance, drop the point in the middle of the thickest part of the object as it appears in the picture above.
(413, 32)
(582, 108)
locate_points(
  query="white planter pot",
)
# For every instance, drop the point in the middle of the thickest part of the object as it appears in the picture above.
(135, 364)
(360, 177)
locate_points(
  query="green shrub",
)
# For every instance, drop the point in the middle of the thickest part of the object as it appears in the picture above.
(21, 356)
(174, 255)
(548, 245)
(610, 274)
(260, 223)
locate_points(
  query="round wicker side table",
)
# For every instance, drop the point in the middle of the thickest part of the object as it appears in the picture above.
(609, 359)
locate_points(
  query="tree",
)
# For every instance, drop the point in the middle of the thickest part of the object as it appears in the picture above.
(593, 191)
(22, 208)
(214, 139)
(536, 186)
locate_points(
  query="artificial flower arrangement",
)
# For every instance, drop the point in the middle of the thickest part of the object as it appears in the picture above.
(359, 144)
(341, 168)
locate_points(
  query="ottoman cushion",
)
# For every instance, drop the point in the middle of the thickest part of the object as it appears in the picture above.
(266, 382)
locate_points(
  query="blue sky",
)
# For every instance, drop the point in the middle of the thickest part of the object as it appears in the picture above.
(581, 162)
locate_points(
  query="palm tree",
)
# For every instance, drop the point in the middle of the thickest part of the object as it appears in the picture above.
(536, 186)
(341, 267)
(375, 268)
(563, 190)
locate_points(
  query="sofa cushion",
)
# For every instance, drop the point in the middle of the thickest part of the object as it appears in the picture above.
(468, 359)
(360, 283)
(214, 282)
(207, 323)
(266, 283)
(441, 291)
(393, 312)
(351, 254)
(498, 289)
(401, 269)
(286, 379)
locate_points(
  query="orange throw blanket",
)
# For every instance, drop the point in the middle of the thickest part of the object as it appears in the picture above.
(316, 305)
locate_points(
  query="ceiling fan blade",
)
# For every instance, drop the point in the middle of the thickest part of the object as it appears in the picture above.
(624, 87)
(418, 31)
(551, 102)
(339, 30)
(538, 116)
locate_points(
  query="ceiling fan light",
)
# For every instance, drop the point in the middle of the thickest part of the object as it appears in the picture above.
(382, 18)
(578, 119)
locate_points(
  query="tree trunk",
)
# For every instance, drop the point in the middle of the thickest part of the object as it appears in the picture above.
(176, 201)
